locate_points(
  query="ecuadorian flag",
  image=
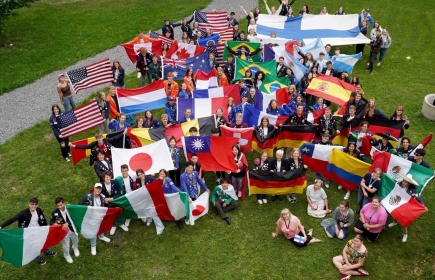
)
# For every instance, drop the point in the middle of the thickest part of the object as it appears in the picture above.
(268, 68)
(250, 48)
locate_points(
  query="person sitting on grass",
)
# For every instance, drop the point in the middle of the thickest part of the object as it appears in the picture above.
(224, 199)
(342, 220)
(373, 218)
(317, 200)
(350, 262)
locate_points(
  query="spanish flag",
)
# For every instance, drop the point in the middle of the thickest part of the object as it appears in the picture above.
(266, 182)
(331, 89)
(250, 48)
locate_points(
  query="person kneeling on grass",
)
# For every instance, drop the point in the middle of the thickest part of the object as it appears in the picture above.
(224, 199)
(352, 259)
(293, 230)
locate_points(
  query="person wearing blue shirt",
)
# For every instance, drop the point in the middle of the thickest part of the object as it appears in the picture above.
(294, 104)
(119, 125)
(239, 108)
(171, 109)
(168, 188)
(274, 110)
(190, 180)
(188, 116)
(55, 126)
(365, 15)
(244, 89)
(184, 93)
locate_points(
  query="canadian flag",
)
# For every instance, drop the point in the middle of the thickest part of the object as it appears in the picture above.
(244, 135)
(183, 51)
(133, 50)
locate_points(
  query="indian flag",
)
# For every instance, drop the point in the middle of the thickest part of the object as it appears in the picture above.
(150, 201)
(392, 165)
(21, 245)
(404, 208)
(92, 221)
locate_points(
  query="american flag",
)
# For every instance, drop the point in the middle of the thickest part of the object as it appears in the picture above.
(92, 75)
(216, 21)
(164, 39)
(80, 119)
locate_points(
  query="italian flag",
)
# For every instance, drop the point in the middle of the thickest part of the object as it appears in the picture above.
(21, 245)
(404, 208)
(392, 165)
(150, 201)
(92, 221)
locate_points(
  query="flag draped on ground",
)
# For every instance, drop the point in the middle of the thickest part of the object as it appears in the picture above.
(95, 74)
(183, 51)
(133, 50)
(151, 158)
(92, 221)
(149, 97)
(268, 68)
(179, 66)
(249, 47)
(345, 62)
(22, 245)
(330, 88)
(266, 182)
(244, 135)
(342, 30)
(215, 153)
(404, 208)
(150, 201)
(198, 208)
(201, 107)
(80, 119)
(392, 165)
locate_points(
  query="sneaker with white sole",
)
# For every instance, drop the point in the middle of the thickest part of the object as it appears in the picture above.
(124, 227)
(289, 197)
(362, 272)
(327, 186)
(69, 154)
(93, 250)
(41, 261)
(68, 259)
(379, 64)
(347, 195)
(392, 224)
(159, 232)
(105, 239)
(127, 222)
(67, 159)
(346, 277)
(339, 187)
(368, 63)
(112, 231)
(76, 252)
(264, 200)
(260, 201)
(405, 237)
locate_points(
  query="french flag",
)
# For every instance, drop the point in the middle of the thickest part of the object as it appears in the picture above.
(252, 117)
(262, 100)
(202, 107)
(150, 97)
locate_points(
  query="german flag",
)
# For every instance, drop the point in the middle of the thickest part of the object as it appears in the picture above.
(266, 182)
(295, 135)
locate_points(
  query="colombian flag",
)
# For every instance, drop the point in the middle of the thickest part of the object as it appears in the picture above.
(331, 89)
(268, 68)
(250, 48)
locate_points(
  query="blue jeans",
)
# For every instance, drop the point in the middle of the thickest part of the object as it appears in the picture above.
(94, 240)
(362, 200)
(142, 79)
(382, 54)
(237, 183)
(46, 251)
(331, 230)
(67, 102)
(261, 196)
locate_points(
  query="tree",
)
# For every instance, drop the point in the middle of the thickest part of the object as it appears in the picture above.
(8, 6)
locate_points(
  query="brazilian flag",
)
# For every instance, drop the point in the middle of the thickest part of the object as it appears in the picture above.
(268, 68)
(272, 83)
(250, 48)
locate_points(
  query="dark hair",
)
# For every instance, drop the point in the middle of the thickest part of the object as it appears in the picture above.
(59, 199)
(113, 65)
(106, 173)
(377, 198)
(257, 74)
(238, 149)
(215, 130)
(344, 203)
(152, 119)
(328, 45)
(140, 170)
(222, 180)
(33, 200)
(422, 152)
(359, 237)
(329, 62)
(124, 166)
(55, 106)
(193, 129)
(363, 123)
(405, 138)
(101, 152)
(230, 55)
(189, 163)
(172, 138)
(164, 170)
(193, 155)
(232, 13)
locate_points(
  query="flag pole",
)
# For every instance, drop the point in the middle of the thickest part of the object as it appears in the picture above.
(123, 141)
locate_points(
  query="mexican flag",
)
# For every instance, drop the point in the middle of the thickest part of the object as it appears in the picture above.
(92, 221)
(21, 245)
(392, 165)
(404, 208)
(150, 201)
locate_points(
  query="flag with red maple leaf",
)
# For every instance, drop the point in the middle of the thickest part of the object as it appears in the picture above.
(184, 51)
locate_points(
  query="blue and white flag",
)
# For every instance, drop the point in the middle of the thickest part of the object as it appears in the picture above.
(299, 239)
(345, 62)
(334, 30)
(212, 40)
(315, 48)
(252, 116)
(179, 66)
(298, 69)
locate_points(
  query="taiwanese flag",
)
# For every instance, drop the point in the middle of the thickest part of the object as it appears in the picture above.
(215, 153)
(244, 135)
(133, 50)
(295, 135)
(266, 182)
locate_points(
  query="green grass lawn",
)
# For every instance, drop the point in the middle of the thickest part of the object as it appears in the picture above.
(31, 165)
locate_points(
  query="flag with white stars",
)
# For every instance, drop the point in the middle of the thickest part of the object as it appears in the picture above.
(80, 119)
(164, 39)
(179, 66)
(92, 75)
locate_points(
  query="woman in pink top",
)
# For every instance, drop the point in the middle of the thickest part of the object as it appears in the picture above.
(373, 218)
(292, 229)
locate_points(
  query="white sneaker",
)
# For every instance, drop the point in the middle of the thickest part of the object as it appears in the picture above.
(159, 232)
(347, 195)
(289, 197)
(68, 259)
(405, 237)
(69, 154)
(339, 187)
(264, 200)
(327, 186)
(368, 63)
(148, 224)
(379, 64)
(392, 224)
(239, 194)
(260, 201)
(112, 230)
(76, 252)
(187, 222)
(127, 222)
(67, 159)
(93, 250)
(105, 239)
(124, 227)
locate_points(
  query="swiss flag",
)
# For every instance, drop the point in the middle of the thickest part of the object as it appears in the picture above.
(133, 50)
(184, 51)
(244, 135)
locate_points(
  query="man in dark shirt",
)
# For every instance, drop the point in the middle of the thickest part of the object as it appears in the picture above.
(418, 158)
(375, 49)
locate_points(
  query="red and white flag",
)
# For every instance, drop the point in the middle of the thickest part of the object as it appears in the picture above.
(422, 144)
(133, 50)
(80, 119)
(244, 135)
(216, 21)
(184, 51)
(98, 73)
(199, 207)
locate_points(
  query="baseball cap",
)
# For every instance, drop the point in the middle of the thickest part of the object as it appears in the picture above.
(367, 10)
(98, 185)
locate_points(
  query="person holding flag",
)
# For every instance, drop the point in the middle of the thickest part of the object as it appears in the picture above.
(168, 188)
(243, 52)
(189, 182)
(241, 167)
(126, 184)
(262, 164)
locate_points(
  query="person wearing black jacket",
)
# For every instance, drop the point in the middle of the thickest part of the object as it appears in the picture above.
(144, 59)
(324, 141)
(286, 7)
(278, 165)
(229, 68)
(375, 48)
(185, 26)
(102, 165)
(329, 71)
(281, 70)
(169, 26)
(359, 103)
(350, 119)
(31, 217)
(60, 216)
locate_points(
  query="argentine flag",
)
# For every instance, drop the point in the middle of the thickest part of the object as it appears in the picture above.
(299, 70)
(315, 48)
(345, 62)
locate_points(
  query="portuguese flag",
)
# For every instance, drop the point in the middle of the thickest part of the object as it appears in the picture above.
(21, 245)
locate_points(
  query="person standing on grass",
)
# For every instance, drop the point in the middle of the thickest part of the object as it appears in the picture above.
(101, 165)
(175, 155)
(96, 199)
(118, 74)
(113, 103)
(386, 43)
(104, 106)
(144, 59)
(31, 217)
(60, 216)
(324, 141)
(224, 199)
(291, 227)
(126, 184)
(369, 186)
(350, 262)
(241, 168)
(375, 48)
(65, 94)
(168, 188)
(262, 164)
(155, 69)
(55, 126)
(190, 182)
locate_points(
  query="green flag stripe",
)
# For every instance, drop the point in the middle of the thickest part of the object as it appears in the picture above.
(11, 242)
(77, 214)
(128, 211)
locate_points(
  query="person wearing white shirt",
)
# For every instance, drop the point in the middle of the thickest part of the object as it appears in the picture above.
(126, 183)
